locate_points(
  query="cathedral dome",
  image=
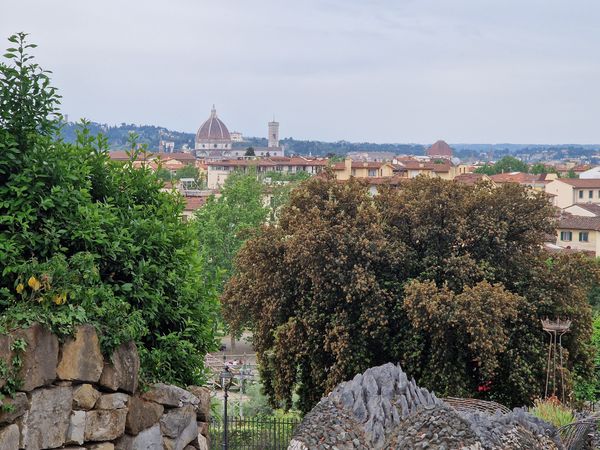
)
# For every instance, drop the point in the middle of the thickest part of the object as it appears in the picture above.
(213, 129)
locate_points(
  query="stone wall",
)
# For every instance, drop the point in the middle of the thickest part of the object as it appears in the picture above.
(72, 397)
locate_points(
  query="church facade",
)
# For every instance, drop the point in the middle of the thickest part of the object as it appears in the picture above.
(214, 142)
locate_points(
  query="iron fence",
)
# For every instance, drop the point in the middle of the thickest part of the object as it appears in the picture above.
(253, 433)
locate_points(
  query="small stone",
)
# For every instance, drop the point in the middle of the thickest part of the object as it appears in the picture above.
(169, 395)
(142, 414)
(149, 439)
(112, 401)
(102, 446)
(18, 406)
(81, 358)
(105, 425)
(76, 428)
(9, 437)
(85, 397)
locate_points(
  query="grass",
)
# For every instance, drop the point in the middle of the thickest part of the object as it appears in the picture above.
(553, 411)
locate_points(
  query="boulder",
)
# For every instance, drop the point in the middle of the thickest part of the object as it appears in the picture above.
(121, 373)
(203, 395)
(142, 414)
(85, 397)
(104, 424)
(46, 423)
(17, 406)
(9, 437)
(149, 439)
(202, 442)
(81, 358)
(179, 427)
(39, 359)
(76, 428)
(169, 395)
(112, 401)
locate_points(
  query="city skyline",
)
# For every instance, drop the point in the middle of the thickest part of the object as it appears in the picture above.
(462, 71)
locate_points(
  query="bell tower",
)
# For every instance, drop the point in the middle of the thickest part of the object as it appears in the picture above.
(273, 134)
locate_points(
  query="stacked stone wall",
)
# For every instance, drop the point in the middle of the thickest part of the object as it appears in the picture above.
(72, 397)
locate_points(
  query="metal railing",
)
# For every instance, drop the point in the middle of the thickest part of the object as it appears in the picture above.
(253, 433)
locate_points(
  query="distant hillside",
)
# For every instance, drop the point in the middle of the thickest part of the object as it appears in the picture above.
(117, 136)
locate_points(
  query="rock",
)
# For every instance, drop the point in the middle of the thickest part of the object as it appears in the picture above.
(102, 446)
(179, 427)
(149, 439)
(121, 373)
(85, 397)
(105, 425)
(46, 423)
(112, 401)
(76, 428)
(39, 359)
(9, 437)
(18, 406)
(169, 395)
(142, 414)
(203, 395)
(201, 442)
(203, 428)
(81, 358)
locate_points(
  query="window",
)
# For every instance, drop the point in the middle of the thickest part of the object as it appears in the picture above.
(580, 194)
(583, 236)
(566, 235)
(353, 172)
(372, 172)
(591, 194)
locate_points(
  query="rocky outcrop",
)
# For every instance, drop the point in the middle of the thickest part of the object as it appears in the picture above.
(382, 408)
(73, 398)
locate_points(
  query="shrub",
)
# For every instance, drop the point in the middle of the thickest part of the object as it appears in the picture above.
(553, 411)
(86, 240)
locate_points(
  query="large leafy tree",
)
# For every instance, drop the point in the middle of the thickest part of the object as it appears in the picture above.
(449, 280)
(505, 165)
(86, 240)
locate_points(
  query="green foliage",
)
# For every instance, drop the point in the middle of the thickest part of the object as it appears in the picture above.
(505, 165)
(540, 168)
(189, 171)
(249, 151)
(449, 280)
(83, 239)
(588, 389)
(225, 222)
(552, 411)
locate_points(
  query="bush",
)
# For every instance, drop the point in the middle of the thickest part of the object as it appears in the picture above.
(86, 240)
(552, 411)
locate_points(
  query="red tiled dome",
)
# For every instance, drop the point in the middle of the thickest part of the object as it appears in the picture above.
(213, 129)
(440, 148)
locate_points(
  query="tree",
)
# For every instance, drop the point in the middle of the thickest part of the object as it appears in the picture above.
(225, 222)
(249, 151)
(449, 280)
(85, 240)
(540, 168)
(189, 171)
(505, 165)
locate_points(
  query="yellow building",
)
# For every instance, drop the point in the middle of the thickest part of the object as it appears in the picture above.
(362, 169)
(570, 191)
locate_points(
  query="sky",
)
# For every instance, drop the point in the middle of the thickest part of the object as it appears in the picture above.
(466, 71)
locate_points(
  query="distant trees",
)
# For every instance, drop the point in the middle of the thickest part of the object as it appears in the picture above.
(539, 168)
(505, 165)
(449, 280)
(249, 152)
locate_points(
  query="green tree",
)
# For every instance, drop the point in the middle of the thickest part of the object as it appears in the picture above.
(249, 151)
(83, 239)
(505, 165)
(189, 171)
(449, 280)
(540, 168)
(226, 221)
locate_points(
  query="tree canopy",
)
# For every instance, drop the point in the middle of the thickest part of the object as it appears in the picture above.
(505, 165)
(447, 279)
(83, 239)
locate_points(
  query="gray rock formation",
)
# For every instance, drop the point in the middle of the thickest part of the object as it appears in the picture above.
(382, 408)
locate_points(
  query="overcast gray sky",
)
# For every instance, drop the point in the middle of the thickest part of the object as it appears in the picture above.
(522, 71)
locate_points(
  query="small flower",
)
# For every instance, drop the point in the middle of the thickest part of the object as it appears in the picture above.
(34, 283)
(60, 299)
(20, 288)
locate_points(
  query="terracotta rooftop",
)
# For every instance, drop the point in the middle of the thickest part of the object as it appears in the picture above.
(581, 182)
(569, 221)
(194, 203)
(594, 208)
(440, 148)
(471, 178)
(515, 177)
